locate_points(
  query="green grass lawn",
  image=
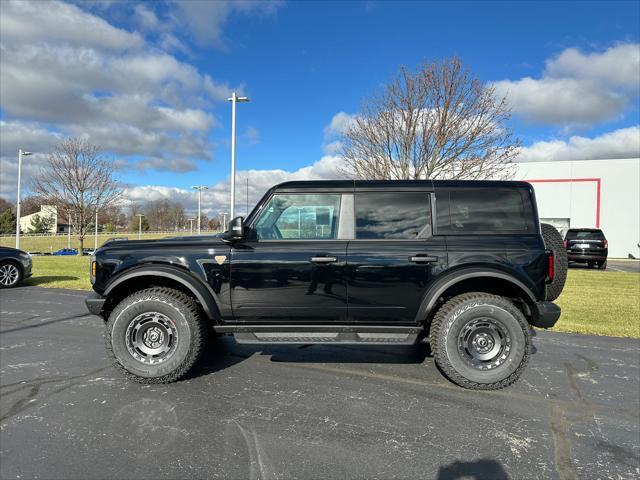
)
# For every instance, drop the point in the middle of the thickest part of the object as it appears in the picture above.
(60, 272)
(601, 303)
(51, 243)
(594, 302)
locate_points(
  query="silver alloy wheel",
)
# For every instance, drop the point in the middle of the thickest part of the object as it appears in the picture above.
(484, 343)
(151, 338)
(9, 274)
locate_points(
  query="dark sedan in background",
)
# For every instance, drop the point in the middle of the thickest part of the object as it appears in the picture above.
(15, 266)
(587, 245)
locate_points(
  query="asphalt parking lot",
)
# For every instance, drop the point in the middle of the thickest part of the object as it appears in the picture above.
(615, 265)
(304, 412)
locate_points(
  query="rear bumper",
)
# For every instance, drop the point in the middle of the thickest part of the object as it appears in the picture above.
(585, 257)
(94, 303)
(548, 315)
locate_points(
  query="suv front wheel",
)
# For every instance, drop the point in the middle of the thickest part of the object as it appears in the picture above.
(156, 335)
(480, 341)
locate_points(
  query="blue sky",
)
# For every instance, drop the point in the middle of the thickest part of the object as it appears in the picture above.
(301, 63)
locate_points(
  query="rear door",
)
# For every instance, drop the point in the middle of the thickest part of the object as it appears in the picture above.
(394, 256)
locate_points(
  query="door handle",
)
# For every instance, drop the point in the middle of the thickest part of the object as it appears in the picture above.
(423, 259)
(323, 259)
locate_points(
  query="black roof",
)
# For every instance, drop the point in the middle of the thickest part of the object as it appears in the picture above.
(342, 184)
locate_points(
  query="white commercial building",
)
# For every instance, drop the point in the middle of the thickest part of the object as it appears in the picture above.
(601, 194)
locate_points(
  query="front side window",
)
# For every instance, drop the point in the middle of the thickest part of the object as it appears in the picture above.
(483, 210)
(393, 215)
(299, 217)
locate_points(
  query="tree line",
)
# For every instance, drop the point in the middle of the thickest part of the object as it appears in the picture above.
(158, 215)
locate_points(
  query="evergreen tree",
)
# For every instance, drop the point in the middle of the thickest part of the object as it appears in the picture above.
(41, 224)
(7, 222)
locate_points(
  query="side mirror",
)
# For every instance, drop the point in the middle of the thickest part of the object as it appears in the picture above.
(236, 228)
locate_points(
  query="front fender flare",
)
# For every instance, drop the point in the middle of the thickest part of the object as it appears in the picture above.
(441, 285)
(202, 292)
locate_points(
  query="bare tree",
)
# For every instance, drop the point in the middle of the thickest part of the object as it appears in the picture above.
(164, 214)
(78, 179)
(437, 122)
(31, 204)
(214, 224)
(6, 205)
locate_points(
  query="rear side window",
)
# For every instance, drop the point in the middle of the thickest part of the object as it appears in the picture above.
(585, 234)
(484, 210)
(393, 215)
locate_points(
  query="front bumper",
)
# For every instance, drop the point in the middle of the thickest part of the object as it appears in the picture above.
(95, 303)
(27, 265)
(548, 315)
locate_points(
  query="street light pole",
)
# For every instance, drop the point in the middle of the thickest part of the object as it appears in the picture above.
(234, 99)
(95, 245)
(199, 188)
(140, 215)
(224, 221)
(20, 154)
(69, 231)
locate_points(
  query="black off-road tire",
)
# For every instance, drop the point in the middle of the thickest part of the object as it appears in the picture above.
(11, 273)
(553, 241)
(466, 309)
(602, 265)
(190, 334)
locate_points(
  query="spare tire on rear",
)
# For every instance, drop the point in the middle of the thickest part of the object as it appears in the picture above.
(553, 241)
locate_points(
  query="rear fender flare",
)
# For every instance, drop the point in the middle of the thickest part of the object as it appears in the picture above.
(437, 290)
(203, 294)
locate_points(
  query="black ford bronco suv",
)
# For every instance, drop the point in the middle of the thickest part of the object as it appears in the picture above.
(462, 265)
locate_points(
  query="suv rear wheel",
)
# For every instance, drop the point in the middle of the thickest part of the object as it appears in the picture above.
(156, 335)
(480, 341)
(553, 241)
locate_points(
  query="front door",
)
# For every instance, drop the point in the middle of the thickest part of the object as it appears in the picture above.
(291, 268)
(394, 257)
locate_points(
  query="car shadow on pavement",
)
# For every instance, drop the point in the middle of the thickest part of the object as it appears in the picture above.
(482, 469)
(46, 279)
(224, 352)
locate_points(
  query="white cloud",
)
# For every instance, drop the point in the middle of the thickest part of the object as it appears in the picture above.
(216, 199)
(339, 124)
(560, 101)
(337, 127)
(617, 66)
(622, 143)
(146, 18)
(27, 136)
(251, 136)
(25, 21)
(69, 71)
(204, 20)
(577, 89)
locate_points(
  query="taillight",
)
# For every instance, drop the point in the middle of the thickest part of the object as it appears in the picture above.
(566, 244)
(550, 267)
(606, 244)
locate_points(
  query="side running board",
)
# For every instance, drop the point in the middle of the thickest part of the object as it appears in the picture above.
(322, 334)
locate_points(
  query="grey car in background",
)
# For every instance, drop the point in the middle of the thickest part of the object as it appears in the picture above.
(15, 266)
